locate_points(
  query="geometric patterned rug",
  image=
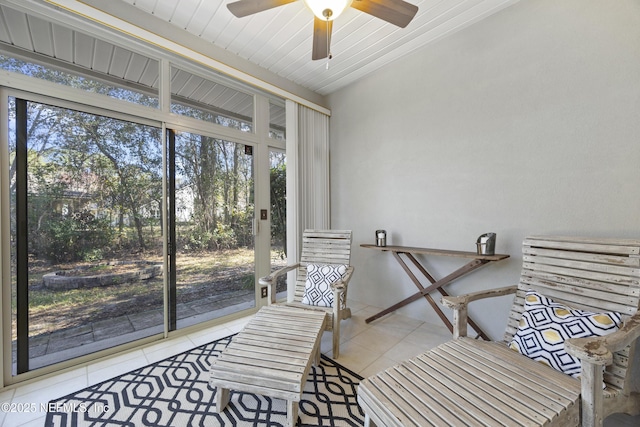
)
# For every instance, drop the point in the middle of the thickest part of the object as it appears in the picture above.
(175, 392)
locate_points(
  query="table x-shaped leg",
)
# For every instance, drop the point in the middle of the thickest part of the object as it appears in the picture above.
(435, 285)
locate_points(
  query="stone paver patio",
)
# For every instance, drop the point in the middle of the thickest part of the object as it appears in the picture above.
(62, 345)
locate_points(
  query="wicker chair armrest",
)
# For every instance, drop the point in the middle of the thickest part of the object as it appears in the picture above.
(341, 285)
(459, 306)
(267, 280)
(599, 350)
(457, 302)
(595, 353)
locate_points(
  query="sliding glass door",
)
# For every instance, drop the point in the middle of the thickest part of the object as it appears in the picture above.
(91, 191)
(87, 245)
(278, 193)
(214, 228)
(86, 241)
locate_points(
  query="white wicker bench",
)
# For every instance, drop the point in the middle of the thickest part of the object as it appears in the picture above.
(271, 356)
(479, 383)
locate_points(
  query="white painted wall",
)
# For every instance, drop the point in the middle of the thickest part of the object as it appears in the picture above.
(525, 123)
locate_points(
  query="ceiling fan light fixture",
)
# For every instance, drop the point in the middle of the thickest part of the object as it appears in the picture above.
(396, 12)
(327, 9)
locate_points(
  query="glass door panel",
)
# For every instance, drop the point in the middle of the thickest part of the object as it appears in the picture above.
(214, 213)
(86, 235)
(278, 256)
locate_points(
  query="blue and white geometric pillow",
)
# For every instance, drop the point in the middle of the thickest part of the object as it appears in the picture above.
(545, 325)
(317, 288)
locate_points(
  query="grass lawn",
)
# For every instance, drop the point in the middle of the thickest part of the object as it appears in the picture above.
(198, 275)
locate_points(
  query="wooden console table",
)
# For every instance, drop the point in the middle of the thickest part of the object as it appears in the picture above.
(476, 261)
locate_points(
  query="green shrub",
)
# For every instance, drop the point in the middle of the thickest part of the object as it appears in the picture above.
(77, 237)
(196, 239)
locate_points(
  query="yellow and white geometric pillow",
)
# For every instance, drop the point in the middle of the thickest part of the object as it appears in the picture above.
(545, 325)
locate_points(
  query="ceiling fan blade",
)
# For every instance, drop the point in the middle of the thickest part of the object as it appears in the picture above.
(249, 7)
(321, 38)
(397, 12)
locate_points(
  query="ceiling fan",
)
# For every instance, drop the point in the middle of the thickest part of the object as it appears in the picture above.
(397, 12)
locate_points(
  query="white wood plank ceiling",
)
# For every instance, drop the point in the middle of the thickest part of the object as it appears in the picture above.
(104, 60)
(280, 39)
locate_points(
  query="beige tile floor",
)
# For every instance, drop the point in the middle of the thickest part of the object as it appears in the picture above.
(365, 349)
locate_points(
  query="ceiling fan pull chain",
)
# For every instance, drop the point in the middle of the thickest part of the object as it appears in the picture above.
(328, 46)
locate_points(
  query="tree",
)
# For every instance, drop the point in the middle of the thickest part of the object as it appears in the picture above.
(278, 178)
(118, 164)
(113, 163)
(88, 164)
(133, 153)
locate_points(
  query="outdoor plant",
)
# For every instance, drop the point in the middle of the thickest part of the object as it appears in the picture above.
(77, 237)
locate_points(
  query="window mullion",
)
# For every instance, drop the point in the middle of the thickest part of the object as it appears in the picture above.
(22, 245)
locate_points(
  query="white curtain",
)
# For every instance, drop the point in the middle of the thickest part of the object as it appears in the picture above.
(307, 176)
(313, 169)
